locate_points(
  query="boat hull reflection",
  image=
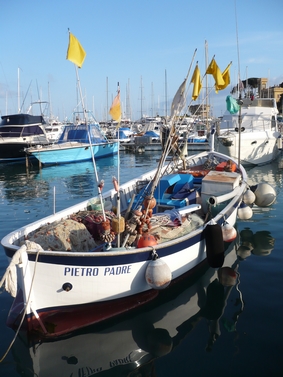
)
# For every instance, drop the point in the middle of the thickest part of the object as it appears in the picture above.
(135, 342)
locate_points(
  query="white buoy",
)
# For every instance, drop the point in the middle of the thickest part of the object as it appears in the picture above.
(265, 194)
(244, 212)
(249, 197)
(158, 274)
(229, 233)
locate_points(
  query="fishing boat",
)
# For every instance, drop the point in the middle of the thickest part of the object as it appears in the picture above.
(90, 259)
(80, 141)
(117, 251)
(18, 132)
(249, 129)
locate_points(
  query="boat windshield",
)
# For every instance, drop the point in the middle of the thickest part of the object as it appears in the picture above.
(20, 131)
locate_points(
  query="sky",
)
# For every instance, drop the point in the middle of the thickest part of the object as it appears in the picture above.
(147, 46)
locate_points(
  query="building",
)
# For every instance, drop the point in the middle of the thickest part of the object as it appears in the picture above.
(201, 111)
(270, 92)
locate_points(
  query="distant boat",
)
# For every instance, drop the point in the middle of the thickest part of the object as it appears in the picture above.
(78, 142)
(18, 132)
(54, 130)
(251, 133)
(124, 134)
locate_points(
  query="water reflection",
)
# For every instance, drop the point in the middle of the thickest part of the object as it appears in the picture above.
(260, 243)
(269, 173)
(129, 347)
(18, 182)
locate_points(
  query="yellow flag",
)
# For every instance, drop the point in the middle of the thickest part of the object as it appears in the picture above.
(197, 83)
(214, 70)
(115, 109)
(75, 53)
(226, 78)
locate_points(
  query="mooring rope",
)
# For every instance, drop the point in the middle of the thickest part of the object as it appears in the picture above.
(27, 303)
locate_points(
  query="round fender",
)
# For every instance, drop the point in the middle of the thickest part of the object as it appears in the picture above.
(214, 245)
(158, 274)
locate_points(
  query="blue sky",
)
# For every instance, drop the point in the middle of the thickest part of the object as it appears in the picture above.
(134, 43)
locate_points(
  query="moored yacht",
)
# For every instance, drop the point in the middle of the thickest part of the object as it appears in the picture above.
(251, 132)
(18, 132)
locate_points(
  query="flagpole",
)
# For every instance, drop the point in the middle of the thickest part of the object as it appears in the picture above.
(118, 174)
(116, 113)
(169, 141)
(99, 184)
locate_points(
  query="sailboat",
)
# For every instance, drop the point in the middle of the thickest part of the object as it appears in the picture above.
(118, 250)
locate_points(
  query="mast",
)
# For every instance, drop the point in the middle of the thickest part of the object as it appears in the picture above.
(166, 95)
(128, 103)
(141, 99)
(19, 99)
(240, 99)
(50, 107)
(206, 80)
(106, 116)
(152, 100)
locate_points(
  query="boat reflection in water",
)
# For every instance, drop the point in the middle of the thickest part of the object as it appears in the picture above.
(130, 347)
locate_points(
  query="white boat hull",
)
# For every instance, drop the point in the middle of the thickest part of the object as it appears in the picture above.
(251, 135)
(258, 148)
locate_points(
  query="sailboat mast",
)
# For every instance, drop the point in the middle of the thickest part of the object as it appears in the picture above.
(239, 78)
(128, 103)
(141, 99)
(19, 100)
(166, 95)
(152, 100)
(206, 84)
(106, 116)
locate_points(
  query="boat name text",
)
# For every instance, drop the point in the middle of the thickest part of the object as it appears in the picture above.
(95, 271)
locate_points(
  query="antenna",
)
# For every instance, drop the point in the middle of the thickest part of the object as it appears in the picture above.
(239, 78)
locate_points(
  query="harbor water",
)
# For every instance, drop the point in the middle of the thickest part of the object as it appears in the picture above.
(199, 330)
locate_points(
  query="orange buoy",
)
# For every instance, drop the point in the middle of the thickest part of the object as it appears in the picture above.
(146, 239)
(149, 202)
(229, 233)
